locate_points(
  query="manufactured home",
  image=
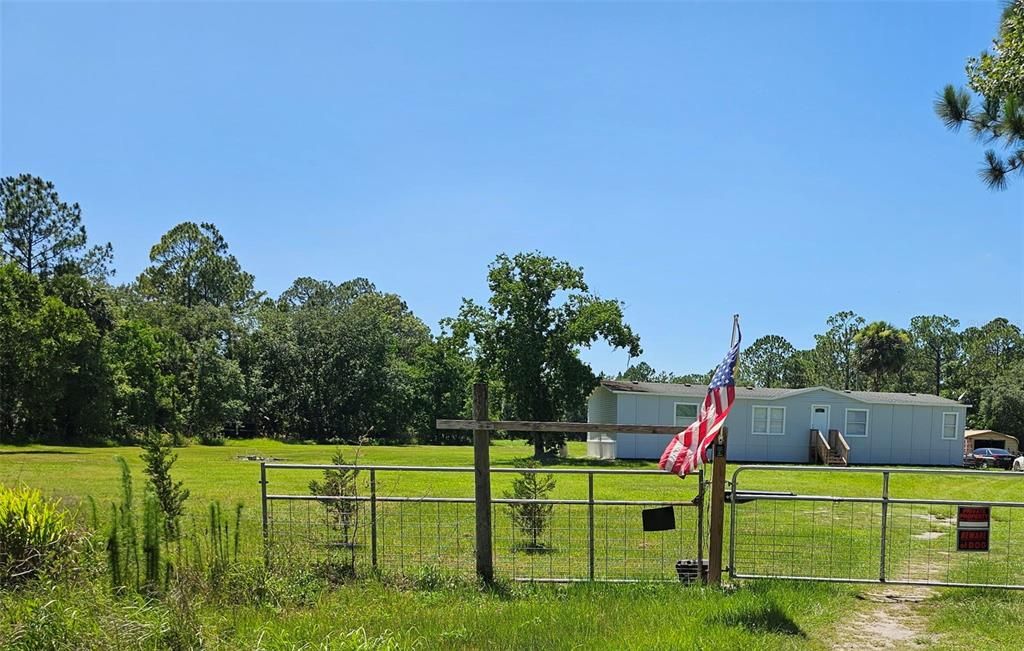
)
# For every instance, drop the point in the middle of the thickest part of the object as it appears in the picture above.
(811, 425)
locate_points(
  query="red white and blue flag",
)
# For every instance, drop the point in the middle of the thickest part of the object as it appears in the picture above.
(688, 449)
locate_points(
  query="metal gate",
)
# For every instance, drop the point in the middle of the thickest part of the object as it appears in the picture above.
(410, 519)
(886, 528)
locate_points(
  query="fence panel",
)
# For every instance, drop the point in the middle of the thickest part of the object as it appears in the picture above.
(882, 538)
(383, 525)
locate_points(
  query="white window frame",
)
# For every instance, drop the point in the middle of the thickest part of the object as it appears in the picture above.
(867, 422)
(956, 425)
(675, 416)
(768, 420)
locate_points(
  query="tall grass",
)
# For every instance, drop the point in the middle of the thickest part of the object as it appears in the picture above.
(144, 556)
(370, 614)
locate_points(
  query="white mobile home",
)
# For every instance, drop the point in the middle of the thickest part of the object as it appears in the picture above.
(780, 425)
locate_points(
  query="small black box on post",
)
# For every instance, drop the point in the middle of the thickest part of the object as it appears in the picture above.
(691, 571)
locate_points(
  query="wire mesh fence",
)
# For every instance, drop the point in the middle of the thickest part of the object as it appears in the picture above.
(393, 524)
(884, 538)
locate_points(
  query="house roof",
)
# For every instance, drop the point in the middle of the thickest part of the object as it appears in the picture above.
(763, 393)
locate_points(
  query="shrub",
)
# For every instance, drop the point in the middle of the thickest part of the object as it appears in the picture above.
(171, 495)
(342, 515)
(35, 533)
(212, 440)
(532, 518)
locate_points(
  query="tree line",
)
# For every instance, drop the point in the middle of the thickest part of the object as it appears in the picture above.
(191, 348)
(979, 365)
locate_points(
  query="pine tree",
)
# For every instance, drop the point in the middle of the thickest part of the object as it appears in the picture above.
(998, 78)
(171, 495)
(532, 517)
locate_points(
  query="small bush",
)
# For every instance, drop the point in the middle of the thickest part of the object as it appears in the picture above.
(213, 440)
(530, 517)
(342, 515)
(34, 534)
(171, 495)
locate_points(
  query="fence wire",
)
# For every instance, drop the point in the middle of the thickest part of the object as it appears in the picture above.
(887, 538)
(388, 529)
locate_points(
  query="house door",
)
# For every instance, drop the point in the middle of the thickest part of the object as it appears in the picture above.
(819, 418)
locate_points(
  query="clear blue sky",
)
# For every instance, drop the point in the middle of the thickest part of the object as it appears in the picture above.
(777, 160)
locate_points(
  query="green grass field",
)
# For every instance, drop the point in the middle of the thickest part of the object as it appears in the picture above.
(433, 605)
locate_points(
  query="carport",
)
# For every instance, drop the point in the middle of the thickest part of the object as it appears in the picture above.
(985, 438)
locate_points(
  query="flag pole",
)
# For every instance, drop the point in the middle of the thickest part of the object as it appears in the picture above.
(717, 525)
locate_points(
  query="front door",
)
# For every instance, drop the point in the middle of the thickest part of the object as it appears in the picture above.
(819, 418)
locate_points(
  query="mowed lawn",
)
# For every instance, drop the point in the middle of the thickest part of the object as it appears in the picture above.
(431, 611)
(219, 473)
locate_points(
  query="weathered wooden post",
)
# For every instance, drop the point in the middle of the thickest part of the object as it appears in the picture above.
(482, 479)
(717, 525)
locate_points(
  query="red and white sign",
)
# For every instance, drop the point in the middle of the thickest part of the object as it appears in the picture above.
(972, 528)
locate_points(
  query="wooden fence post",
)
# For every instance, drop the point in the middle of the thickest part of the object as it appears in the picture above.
(717, 525)
(482, 477)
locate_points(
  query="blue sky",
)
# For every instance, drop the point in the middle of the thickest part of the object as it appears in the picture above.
(781, 161)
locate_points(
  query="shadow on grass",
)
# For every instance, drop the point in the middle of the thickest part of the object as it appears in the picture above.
(533, 550)
(37, 452)
(763, 618)
(519, 462)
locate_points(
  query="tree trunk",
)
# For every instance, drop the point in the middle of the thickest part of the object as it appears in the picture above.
(938, 373)
(538, 445)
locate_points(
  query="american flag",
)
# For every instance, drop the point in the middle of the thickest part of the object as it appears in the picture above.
(686, 452)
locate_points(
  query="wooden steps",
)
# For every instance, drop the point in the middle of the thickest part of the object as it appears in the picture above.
(835, 459)
(831, 451)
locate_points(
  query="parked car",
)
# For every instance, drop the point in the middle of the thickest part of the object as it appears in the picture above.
(985, 457)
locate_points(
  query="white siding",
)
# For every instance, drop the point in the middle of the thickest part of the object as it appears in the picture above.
(897, 434)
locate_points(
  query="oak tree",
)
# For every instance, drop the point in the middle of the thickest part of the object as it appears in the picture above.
(528, 338)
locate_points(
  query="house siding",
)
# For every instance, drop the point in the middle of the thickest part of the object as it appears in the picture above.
(897, 434)
(601, 408)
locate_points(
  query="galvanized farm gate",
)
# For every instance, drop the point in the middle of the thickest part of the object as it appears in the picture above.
(895, 536)
(588, 539)
(415, 519)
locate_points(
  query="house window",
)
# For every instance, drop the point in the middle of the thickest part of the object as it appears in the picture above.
(685, 414)
(949, 428)
(769, 421)
(856, 422)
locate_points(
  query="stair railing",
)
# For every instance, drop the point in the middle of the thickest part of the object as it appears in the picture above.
(841, 445)
(820, 446)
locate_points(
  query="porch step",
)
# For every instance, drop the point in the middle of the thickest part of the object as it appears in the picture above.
(835, 459)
